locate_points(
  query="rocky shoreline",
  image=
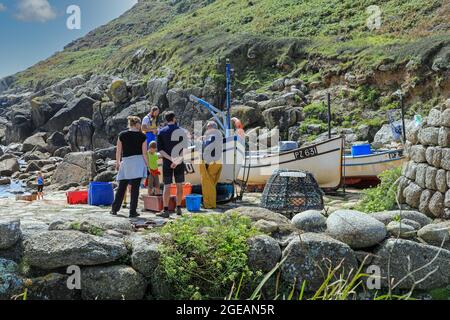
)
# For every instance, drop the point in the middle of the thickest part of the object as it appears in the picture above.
(40, 240)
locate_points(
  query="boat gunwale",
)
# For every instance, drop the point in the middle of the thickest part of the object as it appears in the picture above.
(349, 156)
(296, 149)
(372, 163)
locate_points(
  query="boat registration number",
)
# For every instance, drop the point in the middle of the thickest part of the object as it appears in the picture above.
(396, 155)
(306, 153)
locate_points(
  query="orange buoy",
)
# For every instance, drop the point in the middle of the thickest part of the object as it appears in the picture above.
(238, 127)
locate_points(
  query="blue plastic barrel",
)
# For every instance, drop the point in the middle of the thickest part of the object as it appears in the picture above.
(361, 150)
(100, 194)
(193, 202)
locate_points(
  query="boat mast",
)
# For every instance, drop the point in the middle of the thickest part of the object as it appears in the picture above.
(329, 114)
(228, 92)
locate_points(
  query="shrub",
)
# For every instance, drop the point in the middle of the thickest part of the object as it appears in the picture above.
(316, 111)
(204, 255)
(382, 197)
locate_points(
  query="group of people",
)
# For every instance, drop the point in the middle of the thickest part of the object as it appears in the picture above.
(137, 158)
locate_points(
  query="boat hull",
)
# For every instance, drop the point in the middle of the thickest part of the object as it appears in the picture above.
(323, 160)
(368, 167)
(232, 158)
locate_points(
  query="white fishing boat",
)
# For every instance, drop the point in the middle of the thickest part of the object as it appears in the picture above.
(366, 168)
(232, 159)
(233, 149)
(323, 160)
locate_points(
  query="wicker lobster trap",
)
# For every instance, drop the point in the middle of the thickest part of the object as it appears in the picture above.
(292, 191)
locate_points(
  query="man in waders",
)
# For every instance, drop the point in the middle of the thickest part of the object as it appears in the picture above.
(211, 167)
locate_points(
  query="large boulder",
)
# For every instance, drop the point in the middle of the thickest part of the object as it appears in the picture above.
(157, 90)
(77, 167)
(264, 253)
(145, 256)
(282, 117)
(309, 258)
(56, 141)
(435, 234)
(119, 91)
(384, 136)
(249, 116)
(11, 283)
(255, 214)
(358, 230)
(74, 110)
(119, 122)
(310, 221)
(35, 142)
(401, 229)
(178, 100)
(112, 283)
(388, 216)
(10, 232)
(62, 152)
(54, 249)
(9, 166)
(97, 221)
(107, 153)
(408, 262)
(52, 286)
(68, 83)
(19, 127)
(106, 176)
(80, 135)
(45, 107)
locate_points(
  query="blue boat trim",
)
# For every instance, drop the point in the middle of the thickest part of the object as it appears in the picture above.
(371, 163)
(349, 156)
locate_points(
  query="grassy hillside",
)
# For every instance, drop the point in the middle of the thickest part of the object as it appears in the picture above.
(264, 39)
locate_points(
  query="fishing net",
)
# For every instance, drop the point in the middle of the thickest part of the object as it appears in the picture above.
(292, 191)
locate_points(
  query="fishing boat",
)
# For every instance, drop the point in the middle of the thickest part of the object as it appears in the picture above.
(232, 159)
(323, 160)
(233, 147)
(365, 169)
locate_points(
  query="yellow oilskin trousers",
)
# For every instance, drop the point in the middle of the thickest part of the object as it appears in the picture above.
(210, 177)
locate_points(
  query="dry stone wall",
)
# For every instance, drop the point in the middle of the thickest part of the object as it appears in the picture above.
(425, 181)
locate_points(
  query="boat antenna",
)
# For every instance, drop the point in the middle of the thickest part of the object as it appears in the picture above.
(329, 114)
(228, 92)
(399, 93)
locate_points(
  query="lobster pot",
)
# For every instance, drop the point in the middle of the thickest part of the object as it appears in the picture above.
(292, 191)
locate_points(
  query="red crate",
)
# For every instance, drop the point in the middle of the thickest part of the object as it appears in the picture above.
(155, 203)
(187, 190)
(77, 197)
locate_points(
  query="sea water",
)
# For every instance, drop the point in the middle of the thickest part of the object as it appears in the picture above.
(16, 187)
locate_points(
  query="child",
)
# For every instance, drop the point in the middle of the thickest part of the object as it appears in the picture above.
(153, 178)
(40, 186)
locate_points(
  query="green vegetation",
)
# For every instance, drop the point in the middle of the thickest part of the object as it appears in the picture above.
(204, 255)
(264, 39)
(382, 197)
(93, 230)
(335, 286)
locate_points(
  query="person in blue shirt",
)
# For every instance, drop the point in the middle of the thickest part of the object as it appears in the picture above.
(40, 186)
(171, 142)
(150, 125)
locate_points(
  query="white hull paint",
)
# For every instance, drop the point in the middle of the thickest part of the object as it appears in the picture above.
(232, 160)
(370, 166)
(323, 160)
